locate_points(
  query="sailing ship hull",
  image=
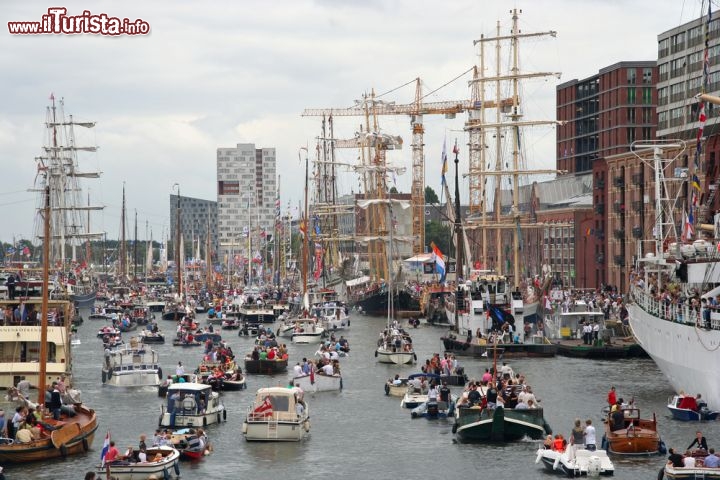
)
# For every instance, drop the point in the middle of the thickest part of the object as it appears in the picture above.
(499, 425)
(86, 300)
(377, 303)
(575, 348)
(44, 449)
(684, 353)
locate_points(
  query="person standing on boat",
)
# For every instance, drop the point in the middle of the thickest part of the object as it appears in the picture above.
(589, 435)
(55, 404)
(577, 435)
(700, 441)
(179, 370)
(612, 397)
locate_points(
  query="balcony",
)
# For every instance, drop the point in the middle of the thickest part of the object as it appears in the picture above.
(600, 208)
(637, 232)
(637, 206)
(619, 181)
(619, 207)
(600, 258)
(637, 179)
(620, 260)
(619, 233)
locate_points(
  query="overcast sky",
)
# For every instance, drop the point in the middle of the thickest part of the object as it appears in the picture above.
(216, 73)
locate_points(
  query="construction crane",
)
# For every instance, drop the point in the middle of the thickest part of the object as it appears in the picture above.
(415, 110)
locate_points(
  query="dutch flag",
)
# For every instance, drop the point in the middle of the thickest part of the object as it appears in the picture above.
(106, 447)
(439, 262)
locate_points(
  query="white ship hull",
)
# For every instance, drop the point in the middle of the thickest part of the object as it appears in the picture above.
(134, 378)
(687, 355)
(398, 358)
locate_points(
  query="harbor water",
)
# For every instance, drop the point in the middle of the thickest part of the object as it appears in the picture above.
(360, 432)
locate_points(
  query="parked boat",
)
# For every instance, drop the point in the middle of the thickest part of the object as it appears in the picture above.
(277, 414)
(132, 365)
(433, 409)
(627, 433)
(265, 367)
(476, 424)
(576, 462)
(191, 405)
(147, 336)
(535, 346)
(687, 409)
(75, 428)
(190, 444)
(307, 331)
(162, 462)
(395, 346)
(691, 473)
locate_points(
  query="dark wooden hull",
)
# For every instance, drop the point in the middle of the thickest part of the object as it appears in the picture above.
(576, 349)
(499, 425)
(265, 367)
(507, 350)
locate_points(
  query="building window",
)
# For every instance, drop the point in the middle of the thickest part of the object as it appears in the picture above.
(647, 95)
(631, 75)
(631, 95)
(631, 115)
(647, 76)
(630, 135)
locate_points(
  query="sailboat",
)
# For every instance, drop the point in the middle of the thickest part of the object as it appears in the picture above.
(58, 168)
(73, 430)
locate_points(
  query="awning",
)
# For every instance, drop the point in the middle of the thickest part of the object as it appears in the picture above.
(357, 281)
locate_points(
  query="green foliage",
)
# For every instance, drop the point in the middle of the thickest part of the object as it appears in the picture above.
(393, 190)
(439, 234)
(430, 196)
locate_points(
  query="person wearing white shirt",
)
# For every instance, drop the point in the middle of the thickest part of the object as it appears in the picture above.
(433, 393)
(180, 370)
(327, 369)
(297, 370)
(589, 435)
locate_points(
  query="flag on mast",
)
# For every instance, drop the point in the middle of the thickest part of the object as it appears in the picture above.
(444, 162)
(439, 262)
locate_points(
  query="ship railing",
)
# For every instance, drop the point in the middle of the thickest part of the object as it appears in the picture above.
(678, 313)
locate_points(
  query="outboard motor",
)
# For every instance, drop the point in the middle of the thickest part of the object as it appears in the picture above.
(432, 409)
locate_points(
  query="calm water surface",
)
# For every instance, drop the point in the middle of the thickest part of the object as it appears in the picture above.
(361, 433)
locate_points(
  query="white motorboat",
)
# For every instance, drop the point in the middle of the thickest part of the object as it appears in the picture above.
(576, 462)
(396, 347)
(319, 382)
(162, 462)
(191, 405)
(307, 331)
(132, 365)
(333, 316)
(277, 414)
(414, 397)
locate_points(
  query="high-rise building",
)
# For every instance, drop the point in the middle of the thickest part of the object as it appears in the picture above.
(605, 113)
(246, 195)
(197, 216)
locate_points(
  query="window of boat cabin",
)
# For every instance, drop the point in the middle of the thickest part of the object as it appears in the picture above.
(25, 352)
(281, 403)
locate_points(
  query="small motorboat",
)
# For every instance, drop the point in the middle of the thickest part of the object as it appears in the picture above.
(191, 404)
(433, 410)
(190, 445)
(146, 336)
(230, 324)
(627, 433)
(108, 331)
(688, 409)
(576, 462)
(162, 463)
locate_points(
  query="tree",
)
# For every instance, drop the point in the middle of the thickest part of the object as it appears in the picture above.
(430, 196)
(393, 190)
(439, 234)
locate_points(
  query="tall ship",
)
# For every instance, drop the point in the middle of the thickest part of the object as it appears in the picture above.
(59, 170)
(673, 291)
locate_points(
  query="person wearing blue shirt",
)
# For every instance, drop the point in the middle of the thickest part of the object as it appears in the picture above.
(712, 460)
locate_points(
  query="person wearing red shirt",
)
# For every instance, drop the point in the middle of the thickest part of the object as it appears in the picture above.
(612, 397)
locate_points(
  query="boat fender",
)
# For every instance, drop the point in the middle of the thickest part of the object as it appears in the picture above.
(376, 353)
(277, 334)
(219, 418)
(387, 388)
(225, 415)
(539, 456)
(454, 428)
(104, 376)
(176, 467)
(415, 356)
(166, 474)
(244, 428)
(661, 448)
(413, 414)
(160, 373)
(109, 373)
(63, 450)
(557, 462)
(341, 383)
(204, 421)
(306, 425)
(85, 444)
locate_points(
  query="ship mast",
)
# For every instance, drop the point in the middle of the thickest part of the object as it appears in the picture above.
(45, 294)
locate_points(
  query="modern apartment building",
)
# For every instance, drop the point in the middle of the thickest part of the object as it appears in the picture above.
(196, 217)
(605, 113)
(246, 196)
